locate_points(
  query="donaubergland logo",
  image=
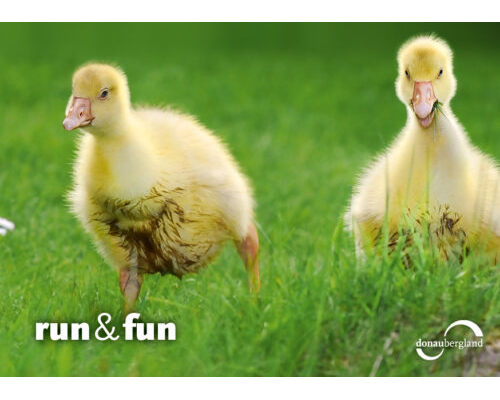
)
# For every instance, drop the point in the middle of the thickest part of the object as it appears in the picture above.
(445, 343)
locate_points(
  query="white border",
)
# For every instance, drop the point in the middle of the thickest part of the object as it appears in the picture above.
(248, 388)
(249, 10)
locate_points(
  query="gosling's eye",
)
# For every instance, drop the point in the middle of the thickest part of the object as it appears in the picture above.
(440, 73)
(407, 74)
(104, 94)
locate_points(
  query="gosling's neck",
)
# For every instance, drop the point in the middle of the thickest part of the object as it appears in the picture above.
(129, 161)
(444, 152)
(444, 137)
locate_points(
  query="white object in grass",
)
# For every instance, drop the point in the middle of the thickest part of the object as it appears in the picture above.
(5, 225)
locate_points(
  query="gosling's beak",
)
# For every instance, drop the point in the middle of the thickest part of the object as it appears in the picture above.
(79, 114)
(423, 102)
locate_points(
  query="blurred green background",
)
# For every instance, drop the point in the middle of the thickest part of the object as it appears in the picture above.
(303, 107)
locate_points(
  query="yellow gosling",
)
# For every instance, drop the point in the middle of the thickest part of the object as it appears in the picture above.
(431, 171)
(156, 190)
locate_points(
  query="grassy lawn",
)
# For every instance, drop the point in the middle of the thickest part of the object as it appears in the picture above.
(303, 108)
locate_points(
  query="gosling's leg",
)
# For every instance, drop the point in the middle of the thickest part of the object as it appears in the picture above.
(130, 285)
(248, 250)
(130, 282)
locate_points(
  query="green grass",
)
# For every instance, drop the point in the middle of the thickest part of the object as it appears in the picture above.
(303, 109)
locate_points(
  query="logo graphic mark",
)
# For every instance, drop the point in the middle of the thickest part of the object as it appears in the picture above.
(443, 344)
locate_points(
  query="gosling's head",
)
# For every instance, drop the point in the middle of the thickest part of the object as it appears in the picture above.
(100, 99)
(425, 76)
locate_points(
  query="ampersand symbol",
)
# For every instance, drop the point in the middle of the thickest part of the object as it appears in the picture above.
(109, 335)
